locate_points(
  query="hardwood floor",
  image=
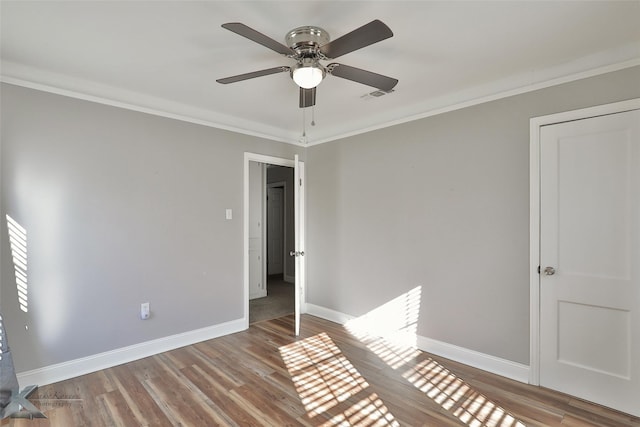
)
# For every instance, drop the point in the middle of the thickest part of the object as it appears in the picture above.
(326, 377)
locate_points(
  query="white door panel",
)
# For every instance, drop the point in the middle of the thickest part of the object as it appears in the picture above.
(585, 330)
(275, 230)
(590, 235)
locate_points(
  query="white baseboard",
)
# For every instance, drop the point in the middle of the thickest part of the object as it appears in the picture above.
(85, 365)
(259, 294)
(496, 365)
(327, 314)
(73, 368)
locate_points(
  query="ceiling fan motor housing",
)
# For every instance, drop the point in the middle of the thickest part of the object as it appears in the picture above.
(307, 40)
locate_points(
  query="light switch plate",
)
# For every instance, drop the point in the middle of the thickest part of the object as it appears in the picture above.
(144, 311)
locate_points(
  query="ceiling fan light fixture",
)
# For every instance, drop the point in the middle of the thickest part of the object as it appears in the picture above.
(309, 45)
(308, 73)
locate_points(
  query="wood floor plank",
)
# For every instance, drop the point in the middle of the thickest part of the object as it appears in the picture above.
(120, 412)
(223, 373)
(228, 409)
(144, 408)
(262, 408)
(249, 379)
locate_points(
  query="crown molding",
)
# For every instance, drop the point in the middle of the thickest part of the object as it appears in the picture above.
(481, 95)
(31, 78)
(35, 79)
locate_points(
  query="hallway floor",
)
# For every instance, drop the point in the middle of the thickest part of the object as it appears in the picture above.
(280, 301)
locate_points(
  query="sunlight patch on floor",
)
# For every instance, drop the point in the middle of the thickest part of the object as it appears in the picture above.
(457, 396)
(390, 332)
(369, 411)
(330, 387)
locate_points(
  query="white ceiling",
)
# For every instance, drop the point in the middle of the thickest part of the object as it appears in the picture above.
(164, 56)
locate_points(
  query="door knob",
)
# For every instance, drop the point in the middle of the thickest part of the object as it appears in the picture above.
(295, 253)
(549, 271)
(292, 253)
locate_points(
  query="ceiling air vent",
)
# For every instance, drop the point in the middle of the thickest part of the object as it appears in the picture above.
(375, 94)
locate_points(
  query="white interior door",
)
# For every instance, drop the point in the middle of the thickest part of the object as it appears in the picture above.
(298, 195)
(590, 259)
(275, 230)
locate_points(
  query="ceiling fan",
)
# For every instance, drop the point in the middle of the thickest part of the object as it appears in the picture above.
(308, 46)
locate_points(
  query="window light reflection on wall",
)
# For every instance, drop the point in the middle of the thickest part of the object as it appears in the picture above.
(18, 243)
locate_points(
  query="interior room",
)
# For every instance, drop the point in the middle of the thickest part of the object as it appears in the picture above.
(456, 230)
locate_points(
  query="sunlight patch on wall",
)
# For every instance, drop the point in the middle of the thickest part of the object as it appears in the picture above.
(18, 243)
(396, 321)
(331, 389)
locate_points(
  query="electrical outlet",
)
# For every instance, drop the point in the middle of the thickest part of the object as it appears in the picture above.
(144, 311)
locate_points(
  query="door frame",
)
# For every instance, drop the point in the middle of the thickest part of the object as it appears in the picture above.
(535, 126)
(278, 161)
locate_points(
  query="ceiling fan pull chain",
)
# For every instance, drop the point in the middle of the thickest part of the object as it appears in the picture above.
(304, 130)
(313, 115)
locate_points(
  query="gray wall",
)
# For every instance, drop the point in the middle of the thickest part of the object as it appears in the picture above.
(120, 208)
(441, 203)
(278, 174)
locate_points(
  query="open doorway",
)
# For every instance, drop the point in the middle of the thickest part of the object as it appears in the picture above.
(272, 239)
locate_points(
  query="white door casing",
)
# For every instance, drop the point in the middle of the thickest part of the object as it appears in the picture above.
(299, 229)
(585, 315)
(257, 276)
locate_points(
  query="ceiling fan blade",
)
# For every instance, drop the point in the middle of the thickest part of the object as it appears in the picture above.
(257, 37)
(252, 75)
(307, 97)
(366, 35)
(362, 76)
